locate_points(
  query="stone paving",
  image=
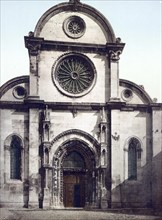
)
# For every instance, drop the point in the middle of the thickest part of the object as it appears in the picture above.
(12, 214)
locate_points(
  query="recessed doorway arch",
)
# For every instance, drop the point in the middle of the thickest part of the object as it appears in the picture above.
(74, 174)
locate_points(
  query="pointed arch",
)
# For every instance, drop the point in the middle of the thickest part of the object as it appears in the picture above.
(132, 149)
(13, 157)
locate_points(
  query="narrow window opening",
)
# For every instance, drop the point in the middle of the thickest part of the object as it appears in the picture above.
(134, 154)
(15, 158)
(132, 163)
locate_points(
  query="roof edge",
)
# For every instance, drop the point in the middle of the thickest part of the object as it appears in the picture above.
(139, 88)
(79, 7)
(12, 82)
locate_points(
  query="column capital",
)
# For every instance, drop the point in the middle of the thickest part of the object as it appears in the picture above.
(33, 45)
(115, 55)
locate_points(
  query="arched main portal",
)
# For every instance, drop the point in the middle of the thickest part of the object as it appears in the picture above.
(76, 174)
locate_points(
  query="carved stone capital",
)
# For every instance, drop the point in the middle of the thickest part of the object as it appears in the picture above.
(34, 48)
(33, 45)
(114, 55)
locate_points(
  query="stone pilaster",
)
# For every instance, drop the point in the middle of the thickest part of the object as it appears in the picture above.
(26, 170)
(34, 178)
(34, 46)
(116, 161)
(114, 74)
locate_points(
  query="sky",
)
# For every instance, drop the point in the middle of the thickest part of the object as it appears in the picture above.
(138, 23)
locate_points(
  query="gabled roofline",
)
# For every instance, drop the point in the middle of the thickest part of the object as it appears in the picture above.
(13, 82)
(79, 7)
(141, 91)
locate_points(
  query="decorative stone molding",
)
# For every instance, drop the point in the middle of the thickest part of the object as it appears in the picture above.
(79, 146)
(33, 45)
(114, 55)
(33, 48)
(79, 132)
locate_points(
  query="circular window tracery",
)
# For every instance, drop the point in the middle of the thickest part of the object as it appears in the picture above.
(74, 75)
(74, 27)
(19, 92)
(127, 94)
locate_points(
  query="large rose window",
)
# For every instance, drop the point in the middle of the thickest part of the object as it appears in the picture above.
(74, 75)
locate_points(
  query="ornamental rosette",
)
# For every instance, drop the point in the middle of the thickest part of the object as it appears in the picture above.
(74, 75)
(74, 27)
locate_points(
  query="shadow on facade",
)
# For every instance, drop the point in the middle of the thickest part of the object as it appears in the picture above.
(145, 192)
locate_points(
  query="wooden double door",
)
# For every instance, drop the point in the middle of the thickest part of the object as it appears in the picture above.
(74, 189)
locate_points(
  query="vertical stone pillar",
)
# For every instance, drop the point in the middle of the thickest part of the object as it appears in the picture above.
(149, 157)
(116, 160)
(114, 75)
(26, 170)
(33, 89)
(103, 159)
(33, 45)
(108, 170)
(46, 150)
(33, 156)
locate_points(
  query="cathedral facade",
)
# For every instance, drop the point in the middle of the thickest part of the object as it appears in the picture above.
(72, 133)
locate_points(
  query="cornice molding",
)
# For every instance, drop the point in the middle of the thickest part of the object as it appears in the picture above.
(69, 106)
(34, 44)
(141, 91)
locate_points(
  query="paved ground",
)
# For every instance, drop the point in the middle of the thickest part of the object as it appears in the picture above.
(12, 214)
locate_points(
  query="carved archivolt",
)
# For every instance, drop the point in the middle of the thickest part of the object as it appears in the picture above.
(64, 144)
(77, 140)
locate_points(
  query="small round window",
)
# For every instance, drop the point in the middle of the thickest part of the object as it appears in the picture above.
(74, 27)
(19, 92)
(74, 75)
(127, 94)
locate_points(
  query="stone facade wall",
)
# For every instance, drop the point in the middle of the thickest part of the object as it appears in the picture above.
(13, 122)
(49, 122)
(100, 92)
(125, 125)
(53, 29)
(157, 160)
